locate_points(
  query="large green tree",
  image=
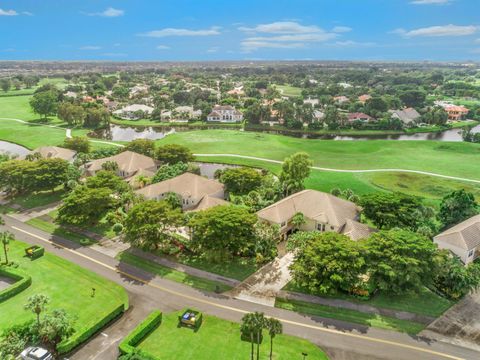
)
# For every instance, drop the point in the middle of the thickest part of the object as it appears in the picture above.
(55, 327)
(456, 207)
(400, 260)
(174, 153)
(295, 169)
(44, 103)
(80, 144)
(150, 224)
(329, 263)
(241, 180)
(141, 146)
(226, 228)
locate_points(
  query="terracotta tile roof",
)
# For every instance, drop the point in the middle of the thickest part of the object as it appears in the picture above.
(127, 161)
(355, 230)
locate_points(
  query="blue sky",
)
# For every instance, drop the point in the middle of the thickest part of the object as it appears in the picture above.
(240, 30)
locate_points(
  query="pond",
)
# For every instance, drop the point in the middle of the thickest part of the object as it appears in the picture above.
(129, 133)
(12, 149)
(208, 169)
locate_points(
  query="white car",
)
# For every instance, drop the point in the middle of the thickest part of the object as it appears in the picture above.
(36, 353)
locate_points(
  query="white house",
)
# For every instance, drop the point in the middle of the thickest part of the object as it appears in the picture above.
(132, 112)
(225, 114)
(462, 239)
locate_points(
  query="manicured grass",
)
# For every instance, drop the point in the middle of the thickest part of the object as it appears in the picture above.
(171, 274)
(219, 339)
(424, 303)
(288, 90)
(60, 231)
(39, 199)
(67, 285)
(357, 317)
(236, 268)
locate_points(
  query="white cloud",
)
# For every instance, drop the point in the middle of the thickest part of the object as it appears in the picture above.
(8, 12)
(163, 47)
(284, 35)
(350, 43)
(341, 29)
(28, 13)
(90, 47)
(475, 51)
(109, 12)
(214, 30)
(430, 2)
(444, 30)
(213, 49)
(282, 27)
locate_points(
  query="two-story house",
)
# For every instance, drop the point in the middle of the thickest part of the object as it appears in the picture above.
(225, 114)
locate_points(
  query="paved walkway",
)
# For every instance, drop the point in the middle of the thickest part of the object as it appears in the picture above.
(5, 282)
(349, 171)
(460, 325)
(29, 214)
(263, 286)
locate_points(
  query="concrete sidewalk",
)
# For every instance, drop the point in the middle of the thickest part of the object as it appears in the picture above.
(29, 214)
(263, 286)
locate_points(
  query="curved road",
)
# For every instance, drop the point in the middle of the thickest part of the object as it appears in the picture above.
(346, 171)
(341, 340)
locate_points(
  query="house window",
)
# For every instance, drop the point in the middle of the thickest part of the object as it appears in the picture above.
(321, 227)
(283, 224)
(470, 253)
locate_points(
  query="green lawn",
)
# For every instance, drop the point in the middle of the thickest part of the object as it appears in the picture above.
(171, 274)
(67, 285)
(236, 268)
(288, 90)
(60, 231)
(39, 199)
(219, 339)
(424, 303)
(357, 317)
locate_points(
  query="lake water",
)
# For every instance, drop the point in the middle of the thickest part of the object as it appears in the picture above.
(12, 149)
(129, 133)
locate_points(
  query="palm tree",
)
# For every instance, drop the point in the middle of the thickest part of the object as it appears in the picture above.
(36, 304)
(6, 238)
(248, 329)
(274, 328)
(259, 324)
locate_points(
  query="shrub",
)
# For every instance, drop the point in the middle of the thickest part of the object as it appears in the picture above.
(150, 323)
(84, 334)
(23, 281)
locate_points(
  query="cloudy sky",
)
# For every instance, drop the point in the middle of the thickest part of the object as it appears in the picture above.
(240, 29)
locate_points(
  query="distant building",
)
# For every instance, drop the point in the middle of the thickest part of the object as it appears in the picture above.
(312, 102)
(129, 164)
(407, 116)
(225, 114)
(456, 113)
(318, 115)
(360, 117)
(364, 98)
(341, 99)
(71, 94)
(462, 239)
(133, 112)
(237, 91)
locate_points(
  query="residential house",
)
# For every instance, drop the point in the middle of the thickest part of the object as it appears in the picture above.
(341, 99)
(129, 164)
(71, 94)
(322, 212)
(133, 112)
(407, 116)
(195, 192)
(55, 152)
(318, 115)
(364, 98)
(237, 91)
(311, 101)
(462, 239)
(359, 116)
(225, 114)
(456, 113)
(138, 90)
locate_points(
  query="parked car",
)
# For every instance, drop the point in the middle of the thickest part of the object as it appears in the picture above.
(36, 353)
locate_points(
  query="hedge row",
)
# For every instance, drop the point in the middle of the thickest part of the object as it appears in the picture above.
(150, 323)
(22, 281)
(83, 335)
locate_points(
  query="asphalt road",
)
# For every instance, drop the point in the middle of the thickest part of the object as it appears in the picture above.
(339, 339)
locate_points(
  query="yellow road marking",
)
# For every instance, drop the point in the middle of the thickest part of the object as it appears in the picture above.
(314, 327)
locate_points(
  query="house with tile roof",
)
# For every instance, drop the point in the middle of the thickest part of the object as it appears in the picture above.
(463, 239)
(195, 192)
(55, 152)
(456, 113)
(225, 114)
(359, 116)
(407, 116)
(129, 164)
(322, 212)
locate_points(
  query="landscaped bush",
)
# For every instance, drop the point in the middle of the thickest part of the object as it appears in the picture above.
(150, 323)
(84, 334)
(34, 252)
(22, 281)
